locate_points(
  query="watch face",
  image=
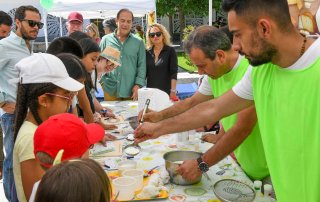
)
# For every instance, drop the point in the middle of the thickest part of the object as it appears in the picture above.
(203, 167)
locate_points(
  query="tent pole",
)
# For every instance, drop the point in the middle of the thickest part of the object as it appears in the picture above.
(155, 12)
(142, 24)
(60, 26)
(45, 28)
(210, 12)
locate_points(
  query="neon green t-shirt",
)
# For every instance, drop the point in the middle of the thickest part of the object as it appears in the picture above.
(250, 153)
(288, 109)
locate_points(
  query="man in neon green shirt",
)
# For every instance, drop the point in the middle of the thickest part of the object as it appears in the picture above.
(210, 50)
(283, 85)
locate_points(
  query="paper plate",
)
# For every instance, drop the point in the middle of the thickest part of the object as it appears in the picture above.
(233, 190)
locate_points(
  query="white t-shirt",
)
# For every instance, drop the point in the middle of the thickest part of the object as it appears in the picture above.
(205, 88)
(243, 88)
(22, 151)
(34, 191)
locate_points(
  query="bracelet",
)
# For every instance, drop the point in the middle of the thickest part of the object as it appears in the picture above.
(173, 91)
(103, 111)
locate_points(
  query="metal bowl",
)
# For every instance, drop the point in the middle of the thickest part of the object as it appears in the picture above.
(133, 121)
(133, 148)
(173, 159)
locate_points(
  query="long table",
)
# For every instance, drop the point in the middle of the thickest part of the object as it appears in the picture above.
(152, 155)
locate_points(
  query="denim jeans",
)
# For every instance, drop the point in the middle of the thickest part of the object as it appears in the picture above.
(7, 121)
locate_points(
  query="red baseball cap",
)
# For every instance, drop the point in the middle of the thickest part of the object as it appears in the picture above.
(68, 132)
(75, 16)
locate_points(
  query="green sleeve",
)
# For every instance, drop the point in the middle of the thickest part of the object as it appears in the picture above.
(141, 66)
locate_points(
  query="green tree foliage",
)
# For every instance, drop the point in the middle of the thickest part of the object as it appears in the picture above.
(198, 7)
(184, 7)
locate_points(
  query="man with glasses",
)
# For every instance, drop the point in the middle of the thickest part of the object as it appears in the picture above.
(14, 48)
(75, 22)
(124, 81)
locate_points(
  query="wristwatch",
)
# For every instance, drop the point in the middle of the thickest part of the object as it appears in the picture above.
(203, 166)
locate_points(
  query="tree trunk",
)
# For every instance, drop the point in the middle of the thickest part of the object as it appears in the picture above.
(170, 25)
(182, 22)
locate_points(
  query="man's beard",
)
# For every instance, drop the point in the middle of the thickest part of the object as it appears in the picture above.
(25, 35)
(267, 51)
(2, 37)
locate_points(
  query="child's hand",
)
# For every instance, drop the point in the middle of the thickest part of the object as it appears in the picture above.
(109, 127)
(106, 138)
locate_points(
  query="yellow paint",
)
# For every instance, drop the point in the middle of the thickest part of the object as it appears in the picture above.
(147, 158)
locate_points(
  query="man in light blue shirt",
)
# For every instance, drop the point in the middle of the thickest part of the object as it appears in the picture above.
(14, 48)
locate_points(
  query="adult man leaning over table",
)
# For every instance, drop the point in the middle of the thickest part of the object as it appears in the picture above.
(210, 50)
(124, 81)
(283, 85)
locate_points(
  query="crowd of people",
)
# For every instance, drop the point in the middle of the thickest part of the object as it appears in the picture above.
(260, 78)
(40, 88)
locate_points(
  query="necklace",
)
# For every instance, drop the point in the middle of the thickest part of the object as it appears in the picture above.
(303, 47)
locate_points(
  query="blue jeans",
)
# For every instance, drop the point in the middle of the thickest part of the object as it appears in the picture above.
(7, 121)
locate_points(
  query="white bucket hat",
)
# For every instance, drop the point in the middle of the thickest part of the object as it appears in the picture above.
(112, 54)
(46, 68)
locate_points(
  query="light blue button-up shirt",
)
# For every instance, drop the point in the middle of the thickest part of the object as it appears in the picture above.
(12, 50)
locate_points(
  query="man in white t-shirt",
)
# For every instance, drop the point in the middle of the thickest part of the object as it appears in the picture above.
(210, 50)
(284, 86)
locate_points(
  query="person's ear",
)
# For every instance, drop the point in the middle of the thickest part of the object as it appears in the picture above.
(264, 28)
(221, 56)
(43, 100)
(18, 23)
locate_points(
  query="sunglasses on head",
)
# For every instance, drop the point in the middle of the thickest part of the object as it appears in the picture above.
(152, 35)
(33, 23)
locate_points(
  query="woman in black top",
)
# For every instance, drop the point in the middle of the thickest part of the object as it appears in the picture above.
(161, 60)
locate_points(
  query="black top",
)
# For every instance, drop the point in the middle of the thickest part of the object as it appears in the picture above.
(159, 74)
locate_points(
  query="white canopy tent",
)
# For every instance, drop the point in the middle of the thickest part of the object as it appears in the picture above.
(88, 8)
(7, 5)
(101, 8)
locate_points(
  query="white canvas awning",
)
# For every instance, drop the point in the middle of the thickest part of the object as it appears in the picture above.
(101, 8)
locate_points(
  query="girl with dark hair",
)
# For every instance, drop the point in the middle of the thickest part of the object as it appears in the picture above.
(70, 45)
(91, 52)
(45, 89)
(89, 183)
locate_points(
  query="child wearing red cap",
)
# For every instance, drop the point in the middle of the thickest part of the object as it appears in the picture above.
(45, 89)
(63, 132)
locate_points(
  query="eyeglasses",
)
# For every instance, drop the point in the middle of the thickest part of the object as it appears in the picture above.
(152, 35)
(33, 23)
(69, 98)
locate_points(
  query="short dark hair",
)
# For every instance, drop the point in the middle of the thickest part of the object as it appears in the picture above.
(209, 39)
(111, 23)
(252, 10)
(5, 19)
(65, 45)
(124, 10)
(226, 30)
(21, 12)
(78, 35)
